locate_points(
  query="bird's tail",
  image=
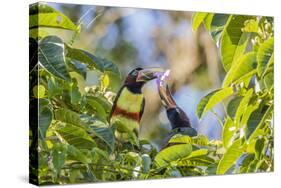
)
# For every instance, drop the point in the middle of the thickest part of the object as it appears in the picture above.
(164, 91)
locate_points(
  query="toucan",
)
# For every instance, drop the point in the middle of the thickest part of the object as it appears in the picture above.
(179, 121)
(128, 106)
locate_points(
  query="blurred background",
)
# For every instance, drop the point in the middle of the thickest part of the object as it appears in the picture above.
(132, 37)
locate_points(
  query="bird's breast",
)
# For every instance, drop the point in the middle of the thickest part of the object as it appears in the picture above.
(129, 101)
(129, 105)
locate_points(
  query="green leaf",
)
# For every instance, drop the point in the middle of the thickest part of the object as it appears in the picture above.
(269, 80)
(233, 40)
(51, 57)
(198, 153)
(98, 108)
(253, 121)
(215, 24)
(233, 105)
(230, 157)
(74, 92)
(68, 116)
(58, 157)
(105, 134)
(197, 19)
(76, 136)
(210, 100)
(92, 61)
(244, 68)
(202, 160)
(259, 148)
(45, 117)
(75, 154)
(247, 112)
(228, 132)
(243, 107)
(265, 119)
(105, 82)
(39, 91)
(172, 153)
(54, 88)
(37, 34)
(42, 15)
(103, 101)
(246, 162)
(200, 140)
(251, 26)
(179, 138)
(83, 56)
(264, 55)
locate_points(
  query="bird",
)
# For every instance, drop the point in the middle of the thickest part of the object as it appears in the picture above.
(179, 121)
(129, 103)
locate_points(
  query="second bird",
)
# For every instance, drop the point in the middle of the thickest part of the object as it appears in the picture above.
(129, 104)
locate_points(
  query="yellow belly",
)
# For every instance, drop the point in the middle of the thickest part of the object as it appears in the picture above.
(129, 101)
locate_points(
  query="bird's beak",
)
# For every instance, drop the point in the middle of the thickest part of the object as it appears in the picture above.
(149, 74)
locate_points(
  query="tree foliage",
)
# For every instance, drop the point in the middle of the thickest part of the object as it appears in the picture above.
(77, 144)
(246, 46)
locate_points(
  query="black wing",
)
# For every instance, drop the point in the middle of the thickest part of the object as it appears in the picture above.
(115, 102)
(142, 107)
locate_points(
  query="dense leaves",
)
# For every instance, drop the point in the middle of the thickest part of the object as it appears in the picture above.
(246, 46)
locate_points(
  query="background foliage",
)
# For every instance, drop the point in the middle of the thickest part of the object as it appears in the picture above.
(74, 142)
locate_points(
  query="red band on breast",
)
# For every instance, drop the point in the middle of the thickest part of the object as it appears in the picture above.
(130, 115)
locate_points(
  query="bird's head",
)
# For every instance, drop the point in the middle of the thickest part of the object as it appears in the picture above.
(139, 76)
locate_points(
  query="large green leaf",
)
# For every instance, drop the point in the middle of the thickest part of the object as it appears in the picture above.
(172, 153)
(243, 69)
(68, 116)
(51, 57)
(230, 157)
(42, 15)
(210, 100)
(197, 19)
(76, 136)
(98, 108)
(233, 40)
(45, 117)
(93, 62)
(215, 24)
(264, 55)
(104, 133)
(256, 131)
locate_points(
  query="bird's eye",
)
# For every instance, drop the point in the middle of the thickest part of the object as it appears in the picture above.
(135, 73)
